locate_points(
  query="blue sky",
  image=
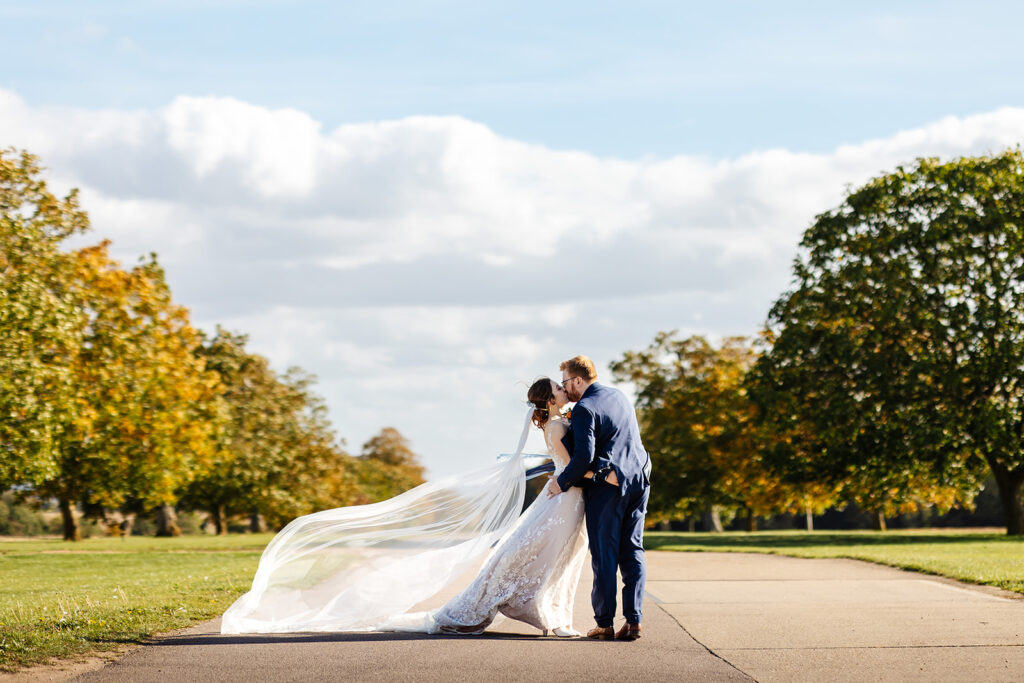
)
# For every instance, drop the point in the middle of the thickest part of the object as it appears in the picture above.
(623, 79)
(430, 204)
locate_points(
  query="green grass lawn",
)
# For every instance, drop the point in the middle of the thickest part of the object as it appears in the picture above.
(986, 558)
(60, 600)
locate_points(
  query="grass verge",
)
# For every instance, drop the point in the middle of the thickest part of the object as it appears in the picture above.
(985, 558)
(62, 600)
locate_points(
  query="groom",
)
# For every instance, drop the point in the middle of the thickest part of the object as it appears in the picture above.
(604, 438)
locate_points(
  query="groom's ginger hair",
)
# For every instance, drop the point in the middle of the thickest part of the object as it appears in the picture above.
(580, 366)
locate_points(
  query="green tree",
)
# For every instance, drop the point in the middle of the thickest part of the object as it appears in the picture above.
(896, 361)
(277, 457)
(40, 325)
(319, 474)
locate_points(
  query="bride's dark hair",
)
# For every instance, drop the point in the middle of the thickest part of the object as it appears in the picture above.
(539, 394)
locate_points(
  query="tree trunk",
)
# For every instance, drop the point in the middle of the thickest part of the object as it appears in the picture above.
(167, 521)
(257, 524)
(691, 524)
(1011, 485)
(809, 516)
(751, 523)
(72, 532)
(712, 520)
(220, 520)
(879, 521)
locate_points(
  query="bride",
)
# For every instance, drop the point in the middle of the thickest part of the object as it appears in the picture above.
(367, 567)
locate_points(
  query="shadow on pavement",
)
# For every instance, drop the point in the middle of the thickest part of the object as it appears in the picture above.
(269, 638)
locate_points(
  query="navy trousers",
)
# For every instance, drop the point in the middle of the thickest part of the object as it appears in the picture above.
(615, 524)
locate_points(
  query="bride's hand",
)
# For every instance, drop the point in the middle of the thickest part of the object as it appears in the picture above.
(553, 489)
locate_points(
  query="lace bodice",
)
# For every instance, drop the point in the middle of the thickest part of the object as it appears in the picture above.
(552, 437)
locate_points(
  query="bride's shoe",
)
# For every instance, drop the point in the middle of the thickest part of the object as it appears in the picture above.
(567, 632)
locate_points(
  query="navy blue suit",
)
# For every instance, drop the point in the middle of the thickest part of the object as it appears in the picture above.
(603, 433)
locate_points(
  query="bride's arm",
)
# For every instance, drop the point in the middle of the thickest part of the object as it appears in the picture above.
(582, 457)
(555, 431)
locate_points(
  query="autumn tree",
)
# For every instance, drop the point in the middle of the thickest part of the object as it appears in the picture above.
(101, 398)
(149, 408)
(696, 421)
(901, 346)
(40, 324)
(109, 398)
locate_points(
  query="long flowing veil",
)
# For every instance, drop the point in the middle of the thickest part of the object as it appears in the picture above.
(353, 568)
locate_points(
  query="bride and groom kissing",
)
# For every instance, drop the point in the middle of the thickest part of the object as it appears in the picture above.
(607, 458)
(389, 556)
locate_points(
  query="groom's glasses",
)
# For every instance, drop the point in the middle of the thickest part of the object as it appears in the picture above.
(565, 382)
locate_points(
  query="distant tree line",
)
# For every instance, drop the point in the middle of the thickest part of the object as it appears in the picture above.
(889, 380)
(111, 402)
(891, 377)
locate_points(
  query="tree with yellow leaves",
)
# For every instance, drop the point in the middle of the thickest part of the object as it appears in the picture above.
(149, 409)
(697, 423)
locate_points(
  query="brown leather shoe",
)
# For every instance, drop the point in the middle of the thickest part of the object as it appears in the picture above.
(602, 633)
(628, 632)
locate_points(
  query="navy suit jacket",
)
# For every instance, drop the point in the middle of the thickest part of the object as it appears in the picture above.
(603, 433)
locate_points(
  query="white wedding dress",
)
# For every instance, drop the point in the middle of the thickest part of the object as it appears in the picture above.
(531, 575)
(365, 567)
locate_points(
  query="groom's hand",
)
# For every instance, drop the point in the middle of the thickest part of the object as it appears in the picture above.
(552, 489)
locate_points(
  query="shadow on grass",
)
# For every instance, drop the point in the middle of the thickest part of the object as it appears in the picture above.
(769, 540)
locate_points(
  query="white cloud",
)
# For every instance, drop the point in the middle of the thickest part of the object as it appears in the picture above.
(273, 152)
(427, 269)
